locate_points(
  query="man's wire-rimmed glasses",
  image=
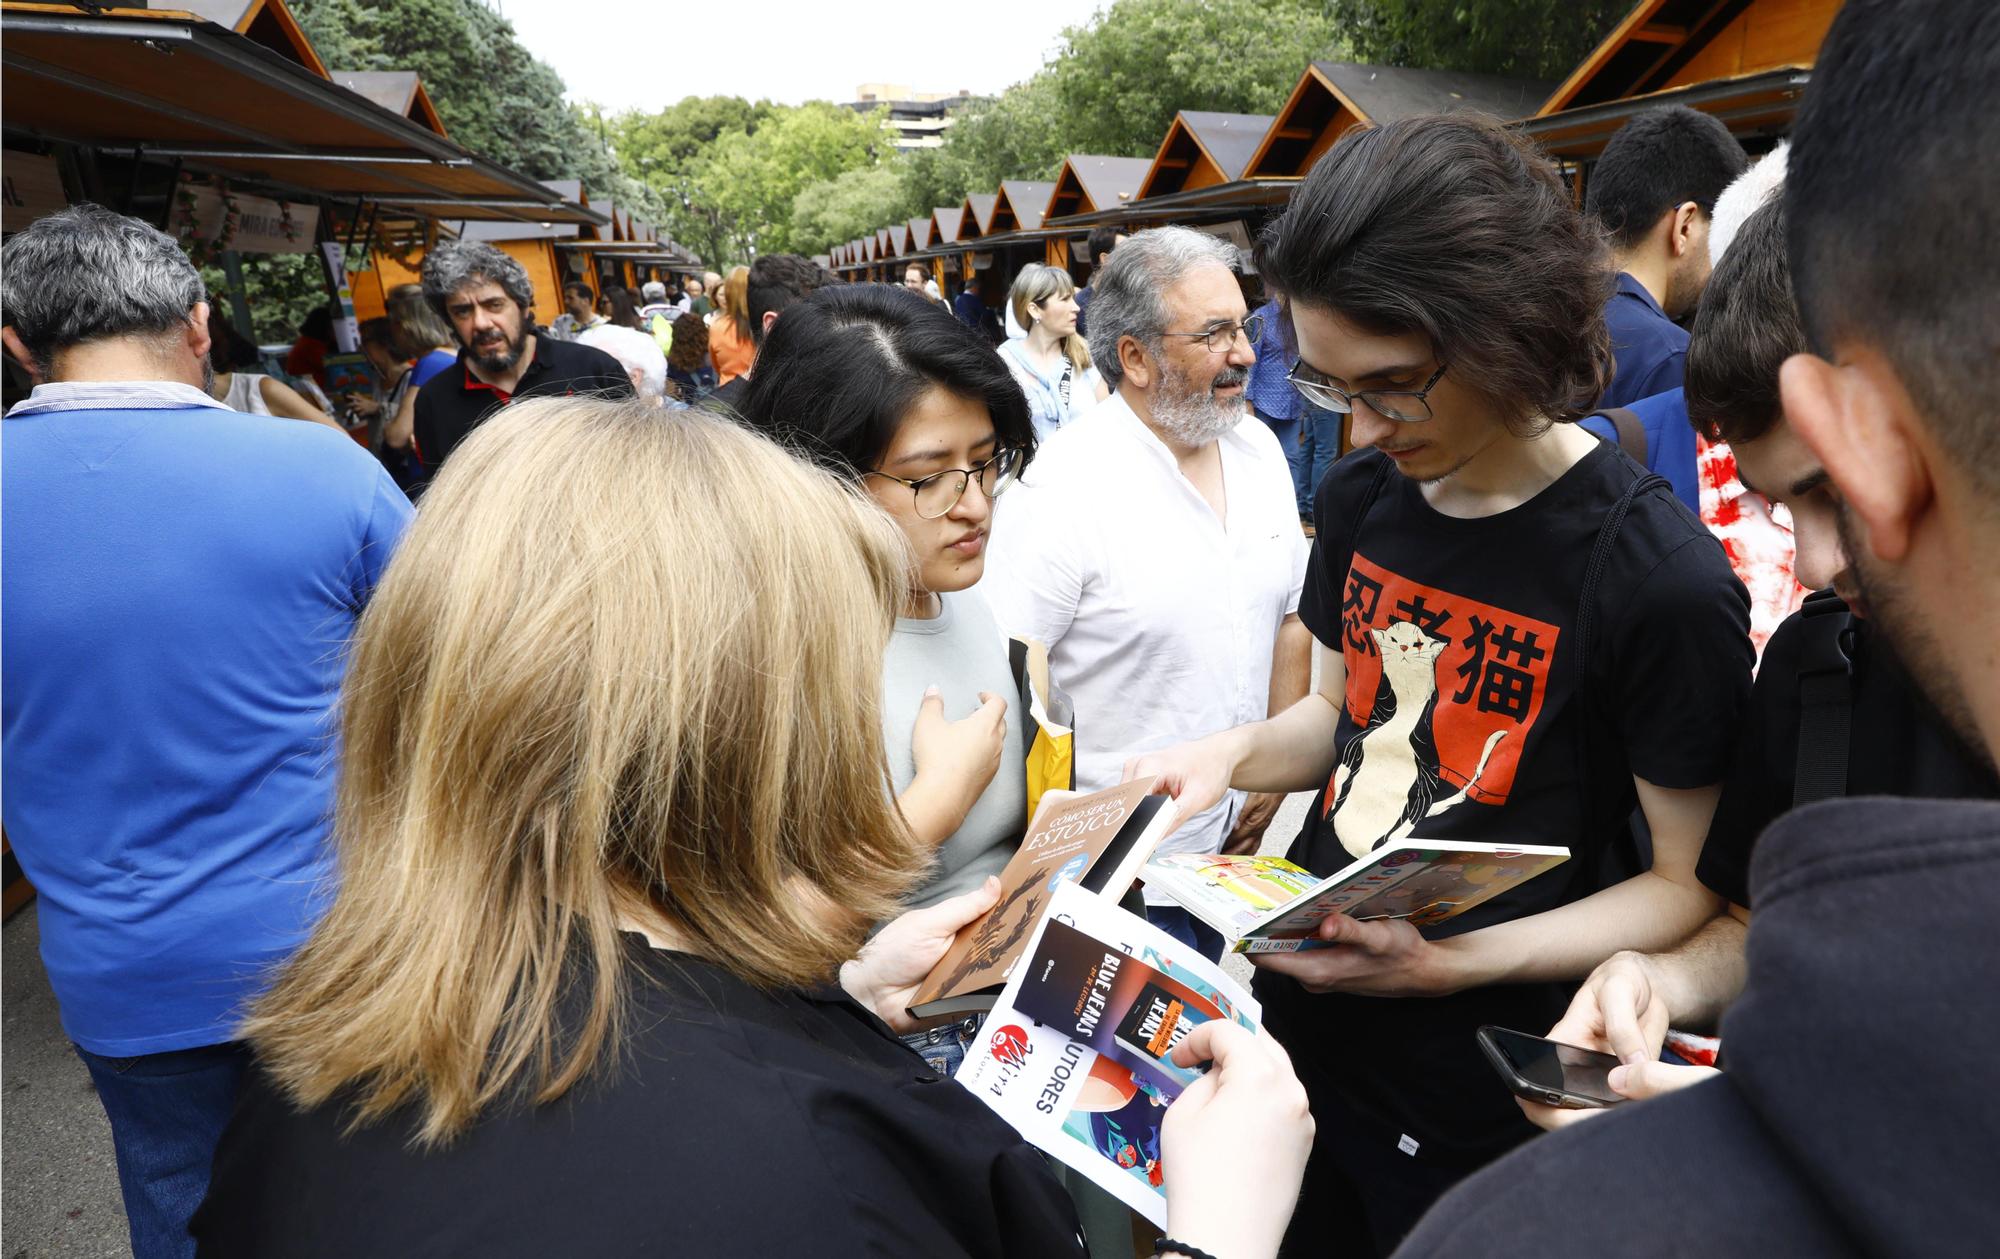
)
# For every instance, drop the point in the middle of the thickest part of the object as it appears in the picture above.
(939, 492)
(1406, 406)
(1219, 337)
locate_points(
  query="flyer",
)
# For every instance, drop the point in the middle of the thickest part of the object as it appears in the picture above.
(1076, 1053)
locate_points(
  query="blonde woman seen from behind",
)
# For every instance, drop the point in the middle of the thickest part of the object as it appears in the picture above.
(613, 820)
(1052, 363)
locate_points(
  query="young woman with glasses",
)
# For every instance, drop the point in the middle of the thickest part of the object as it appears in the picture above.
(919, 413)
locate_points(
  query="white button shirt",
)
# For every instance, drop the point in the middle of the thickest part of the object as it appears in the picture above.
(1160, 619)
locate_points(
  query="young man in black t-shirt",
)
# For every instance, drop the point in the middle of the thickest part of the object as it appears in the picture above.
(1895, 745)
(1522, 635)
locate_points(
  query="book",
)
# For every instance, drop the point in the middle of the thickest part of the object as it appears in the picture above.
(1098, 840)
(1270, 905)
(1075, 1054)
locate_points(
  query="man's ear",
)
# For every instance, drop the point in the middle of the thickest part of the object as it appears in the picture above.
(18, 351)
(1135, 363)
(770, 317)
(198, 341)
(1681, 224)
(1861, 424)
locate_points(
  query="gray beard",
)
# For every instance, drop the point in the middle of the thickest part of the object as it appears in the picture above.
(1191, 414)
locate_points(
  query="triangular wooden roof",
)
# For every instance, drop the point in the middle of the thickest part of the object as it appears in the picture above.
(920, 233)
(1089, 182)
(1021, 204)
(899, 239)
(881, 243)
(1665, 44)
(1202, 149)
(1332, 96)
(265, 22)
(945, 219)
(977, 214)
(398, 91)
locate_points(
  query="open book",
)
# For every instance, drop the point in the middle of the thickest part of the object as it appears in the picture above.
(1076, 1055)
(1270, 905)
(1098, 840)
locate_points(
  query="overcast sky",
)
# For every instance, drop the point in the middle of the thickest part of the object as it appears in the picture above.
(646, 54)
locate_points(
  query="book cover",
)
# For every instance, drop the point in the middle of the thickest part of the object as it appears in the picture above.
(1425, 882)
(1098, 840)
(1075, 1054)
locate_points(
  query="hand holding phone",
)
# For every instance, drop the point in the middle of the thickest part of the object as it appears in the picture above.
(1549, 1072)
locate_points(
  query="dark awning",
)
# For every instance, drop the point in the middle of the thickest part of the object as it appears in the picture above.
(1763, 101)
(172, 86)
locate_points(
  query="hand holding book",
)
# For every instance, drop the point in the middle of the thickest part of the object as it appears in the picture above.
(1380, 957)
(884, 977)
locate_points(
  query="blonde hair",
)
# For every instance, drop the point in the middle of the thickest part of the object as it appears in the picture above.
(605, 679)
(735, 300)
(1037, 283)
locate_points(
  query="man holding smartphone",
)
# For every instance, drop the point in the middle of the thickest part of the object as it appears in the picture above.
(1854, 1117)
(1886, 739)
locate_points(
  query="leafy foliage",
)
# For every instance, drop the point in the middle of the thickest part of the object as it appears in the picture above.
(1536, 39)
(855, 201)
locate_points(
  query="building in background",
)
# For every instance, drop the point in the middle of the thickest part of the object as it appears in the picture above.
(920, 118)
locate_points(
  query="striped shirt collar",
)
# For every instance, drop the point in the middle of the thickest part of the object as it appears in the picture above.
(113, 395)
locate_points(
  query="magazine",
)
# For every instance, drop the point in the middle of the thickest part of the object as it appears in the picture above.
(1099, 840)
(1270, 905)
(1076, 1053)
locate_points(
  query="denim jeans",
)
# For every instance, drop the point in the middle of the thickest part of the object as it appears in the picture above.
(1312, 452)
(167, 1112)
(1188, 929)
(943, 1048)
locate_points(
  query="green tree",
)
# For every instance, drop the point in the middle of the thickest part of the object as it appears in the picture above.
(834, 210)
(667, 151)
(1536, 39)
(749, 183)
(1120, 79)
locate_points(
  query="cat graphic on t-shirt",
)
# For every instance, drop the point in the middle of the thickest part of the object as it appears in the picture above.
(1388, 780)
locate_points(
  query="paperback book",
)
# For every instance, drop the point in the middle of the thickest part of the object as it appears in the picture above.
(1270, 905)
(1098, 840)
(1077, 1054)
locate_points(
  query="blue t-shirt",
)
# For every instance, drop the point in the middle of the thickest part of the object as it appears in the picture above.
(172, 644)
(1670, 441)
(430, 365)
(1650, 350)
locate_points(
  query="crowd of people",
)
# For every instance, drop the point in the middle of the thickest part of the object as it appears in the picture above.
(549, 869)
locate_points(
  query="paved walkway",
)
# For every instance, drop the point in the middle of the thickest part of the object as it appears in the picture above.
(61, 1196)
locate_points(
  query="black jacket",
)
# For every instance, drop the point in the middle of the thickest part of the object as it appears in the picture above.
(1858, 1114)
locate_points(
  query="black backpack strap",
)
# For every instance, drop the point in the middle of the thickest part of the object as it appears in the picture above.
(1826, 698)
(1631, 433)
(1614, 864)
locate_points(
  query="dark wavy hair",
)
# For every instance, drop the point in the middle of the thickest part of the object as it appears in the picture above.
(838, 373)
(1747, 327)
(1454, 227)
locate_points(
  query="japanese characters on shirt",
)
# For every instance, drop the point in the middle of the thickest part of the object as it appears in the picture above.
(1443, 690)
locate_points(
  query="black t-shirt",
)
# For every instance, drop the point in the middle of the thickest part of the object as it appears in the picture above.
(454, 402)
(730, 396)
(1471, 715)
(1897, 745)
(735, 1122)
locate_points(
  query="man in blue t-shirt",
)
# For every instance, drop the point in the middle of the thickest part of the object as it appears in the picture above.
(173, 646)
(1653, 192)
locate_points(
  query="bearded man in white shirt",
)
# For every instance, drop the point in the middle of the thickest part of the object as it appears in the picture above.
(1154, 543)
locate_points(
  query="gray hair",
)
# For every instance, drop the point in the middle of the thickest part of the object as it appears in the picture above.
(418, 327)
(87, 273)
(1126, 293)
(454, 265)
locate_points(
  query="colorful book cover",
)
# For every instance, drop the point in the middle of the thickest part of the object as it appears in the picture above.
(1098, 840)
(1076, 1053)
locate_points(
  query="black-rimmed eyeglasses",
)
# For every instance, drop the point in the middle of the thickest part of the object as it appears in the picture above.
(939, 492)
(1406, 406)
(1219, 337)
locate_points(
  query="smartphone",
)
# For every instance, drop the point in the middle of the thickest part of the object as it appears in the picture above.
(1548, 1071)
